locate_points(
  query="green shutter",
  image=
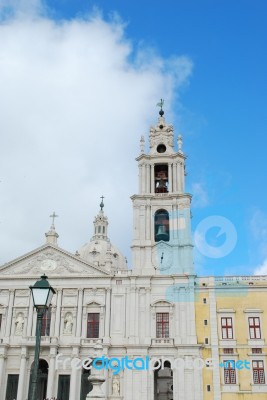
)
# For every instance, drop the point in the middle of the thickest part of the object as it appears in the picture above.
(63, 391)
(86, 386)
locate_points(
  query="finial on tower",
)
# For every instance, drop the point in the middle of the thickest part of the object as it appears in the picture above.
(180, 143)
(51, 235)
(160, 104)
(102, 203)
(142, 144)
(53, 216)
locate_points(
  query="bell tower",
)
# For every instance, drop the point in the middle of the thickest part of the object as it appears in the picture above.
(162, 241)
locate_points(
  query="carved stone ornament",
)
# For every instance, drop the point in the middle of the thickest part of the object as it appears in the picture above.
(19, 323)
(68, 323)
(22, 292)
(161, 138)
(47, 261)
(183, 205)
(115, 386)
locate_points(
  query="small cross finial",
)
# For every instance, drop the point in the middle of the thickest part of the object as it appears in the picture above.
(53, 216)
(160, 104)
(102, 203)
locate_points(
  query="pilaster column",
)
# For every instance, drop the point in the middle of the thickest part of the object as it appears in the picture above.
(191, 312)
(148, 313)
(152, 179)
(177, 332)
(137, 314)
(3, 358)
(170, 177)
(148, 231)
(30, 318)
(51, 373)
(53, 320)
(22, 373)
(180, 177)
(182, 314)
(107, 316)
(79, 313)
(140, 178)
(147, 178)
(198, 387)
(175, 178)
(84, 322)
(58, 312)
(10, 311)
(74, 375)
(214, 344)
(179, 377)
(143, 171)
(132, 311)
(175, 219)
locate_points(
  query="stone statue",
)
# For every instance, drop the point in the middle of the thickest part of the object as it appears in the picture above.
(68, 323)
(116, 386)
(19, 325)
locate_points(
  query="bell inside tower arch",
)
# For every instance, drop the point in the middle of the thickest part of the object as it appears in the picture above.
(161, 178)
(162, 230)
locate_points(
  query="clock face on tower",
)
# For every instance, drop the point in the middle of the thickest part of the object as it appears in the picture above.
(162, 256)
(48, 265)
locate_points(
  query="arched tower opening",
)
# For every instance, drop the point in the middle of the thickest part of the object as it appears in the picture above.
(162, 226)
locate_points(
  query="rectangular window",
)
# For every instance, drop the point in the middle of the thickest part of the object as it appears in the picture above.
(12, 387)
(162, 328)
(228, 351)
(258, 372)
(0, 321)
(93, 325)
(256, 350)
(46, 322)
(227, 328)
(205, 322)
(254, 328)
(229, 372)
(204, 300)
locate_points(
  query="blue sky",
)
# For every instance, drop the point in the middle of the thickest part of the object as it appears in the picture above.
(220, 109)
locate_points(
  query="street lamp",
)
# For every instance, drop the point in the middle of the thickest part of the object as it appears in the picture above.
(42, 294)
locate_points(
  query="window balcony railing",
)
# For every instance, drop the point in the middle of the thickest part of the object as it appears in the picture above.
(90, 341)
(162, 341)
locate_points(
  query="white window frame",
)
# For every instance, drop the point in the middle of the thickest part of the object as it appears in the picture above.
(255, 313)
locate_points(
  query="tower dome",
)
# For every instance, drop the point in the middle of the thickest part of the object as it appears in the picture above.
(100, 251)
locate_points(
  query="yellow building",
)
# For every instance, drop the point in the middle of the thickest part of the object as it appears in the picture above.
(231, 325)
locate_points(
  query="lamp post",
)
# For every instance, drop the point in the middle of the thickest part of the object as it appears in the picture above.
(42, 294)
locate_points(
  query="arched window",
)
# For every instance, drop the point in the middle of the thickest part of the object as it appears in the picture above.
(161, 225)
(161, 178)
(163, 381)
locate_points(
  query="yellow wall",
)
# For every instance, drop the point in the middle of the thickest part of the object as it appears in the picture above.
(252, 297)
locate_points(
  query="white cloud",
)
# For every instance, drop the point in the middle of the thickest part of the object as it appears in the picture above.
(261, 269)
(200, 196)
(73, 104)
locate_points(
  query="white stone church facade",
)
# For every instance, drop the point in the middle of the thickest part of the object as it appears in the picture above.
(146, 311)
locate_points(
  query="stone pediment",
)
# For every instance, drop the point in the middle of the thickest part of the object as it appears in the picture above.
(52, 261)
